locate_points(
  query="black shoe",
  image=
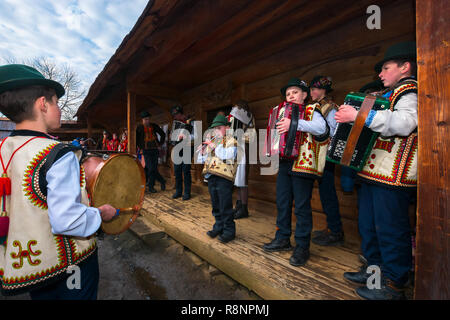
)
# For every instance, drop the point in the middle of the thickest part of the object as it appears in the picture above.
(225, 238)
(299, 257)
(186, 197)
(242, 212)
(388, 291)
(318, 233)
(152, 190)
(213, 233)
(329, 238)
(362, 259)
(176, 195)
(163, 186)
(278, 245)
(358, 277)
(237, 207)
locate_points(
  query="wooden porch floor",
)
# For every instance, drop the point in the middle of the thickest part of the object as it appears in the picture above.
(268, 274)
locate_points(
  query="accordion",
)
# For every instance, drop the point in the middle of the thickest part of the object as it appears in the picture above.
(287, 144)
(352, 142)
(174, 137)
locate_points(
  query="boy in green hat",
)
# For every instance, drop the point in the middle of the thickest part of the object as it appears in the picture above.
(389, 178)
(219, 155)
(295, 178)
(51, 225)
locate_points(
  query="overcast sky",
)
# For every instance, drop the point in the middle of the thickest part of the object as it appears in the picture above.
(82, 33)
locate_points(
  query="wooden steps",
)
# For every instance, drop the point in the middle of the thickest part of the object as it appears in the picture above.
(268, 274)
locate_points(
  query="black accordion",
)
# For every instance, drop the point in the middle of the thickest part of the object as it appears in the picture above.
(179, 125)
(352, 142)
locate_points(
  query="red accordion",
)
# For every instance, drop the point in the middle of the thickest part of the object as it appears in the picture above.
(287, 144)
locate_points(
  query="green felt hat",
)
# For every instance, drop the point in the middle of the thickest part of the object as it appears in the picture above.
(17, 76)
(402, 50)
(295, 82)
(220, 120)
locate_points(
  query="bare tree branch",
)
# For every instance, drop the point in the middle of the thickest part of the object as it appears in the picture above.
(64, 74)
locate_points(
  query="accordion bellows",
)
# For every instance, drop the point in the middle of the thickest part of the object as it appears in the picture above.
(287, 144)
(364, 138)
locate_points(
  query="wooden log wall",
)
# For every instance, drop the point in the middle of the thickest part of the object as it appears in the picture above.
(347, 54)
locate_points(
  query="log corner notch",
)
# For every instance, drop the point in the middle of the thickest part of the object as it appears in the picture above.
(433, 205)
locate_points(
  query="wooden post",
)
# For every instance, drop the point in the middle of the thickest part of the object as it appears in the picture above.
(89, 131)
(131, 121)
(433, 207)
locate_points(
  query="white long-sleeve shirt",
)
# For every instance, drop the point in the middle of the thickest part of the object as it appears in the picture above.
(317, 126)
(400, 122)
(67, 215)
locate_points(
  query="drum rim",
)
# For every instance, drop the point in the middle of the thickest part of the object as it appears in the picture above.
(94, 182)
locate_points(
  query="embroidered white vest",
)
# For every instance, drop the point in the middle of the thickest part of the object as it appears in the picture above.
(312, 153)
(393, 160)
(222, 168)
(33, 255)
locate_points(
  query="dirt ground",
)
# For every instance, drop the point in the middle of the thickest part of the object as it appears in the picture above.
(131, 269)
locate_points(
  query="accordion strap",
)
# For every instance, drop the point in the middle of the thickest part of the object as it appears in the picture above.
(355, 132)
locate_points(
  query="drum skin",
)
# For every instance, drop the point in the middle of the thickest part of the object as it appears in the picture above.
(118, 181)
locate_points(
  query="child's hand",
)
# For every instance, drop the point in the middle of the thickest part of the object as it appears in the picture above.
(283, 125)
(211, 145)
(346, 113)
(107, 212)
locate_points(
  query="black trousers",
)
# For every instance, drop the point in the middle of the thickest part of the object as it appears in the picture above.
(151, 167)
(221, 192)
(292, 188)
(89, 278)
(183, 174)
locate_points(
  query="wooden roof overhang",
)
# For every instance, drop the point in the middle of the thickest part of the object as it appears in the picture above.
(180, 44)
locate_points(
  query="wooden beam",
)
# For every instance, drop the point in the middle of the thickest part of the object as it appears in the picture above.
(433, 207)
(154, 15)
(188, 26)
(152, 90)
(131, 121)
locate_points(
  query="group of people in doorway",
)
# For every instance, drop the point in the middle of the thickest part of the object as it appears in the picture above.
(112, 142)
(41, 245)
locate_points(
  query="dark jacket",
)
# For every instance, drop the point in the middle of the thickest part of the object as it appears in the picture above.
(140, 137)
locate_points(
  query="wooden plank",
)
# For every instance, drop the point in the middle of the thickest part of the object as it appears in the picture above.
(193, 23)
(278, 25)
(351, 36)
(432, 276)
(268, 274)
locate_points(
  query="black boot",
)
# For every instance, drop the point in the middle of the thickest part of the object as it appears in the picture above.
(163, 186)
(278, 245)
(299, 257)
(176, 195)
(388, 291)
(329, 238)
(318, 233)
(358, 277)
(186, 196)
(237, 207)
(242, 212)
(213, 233)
